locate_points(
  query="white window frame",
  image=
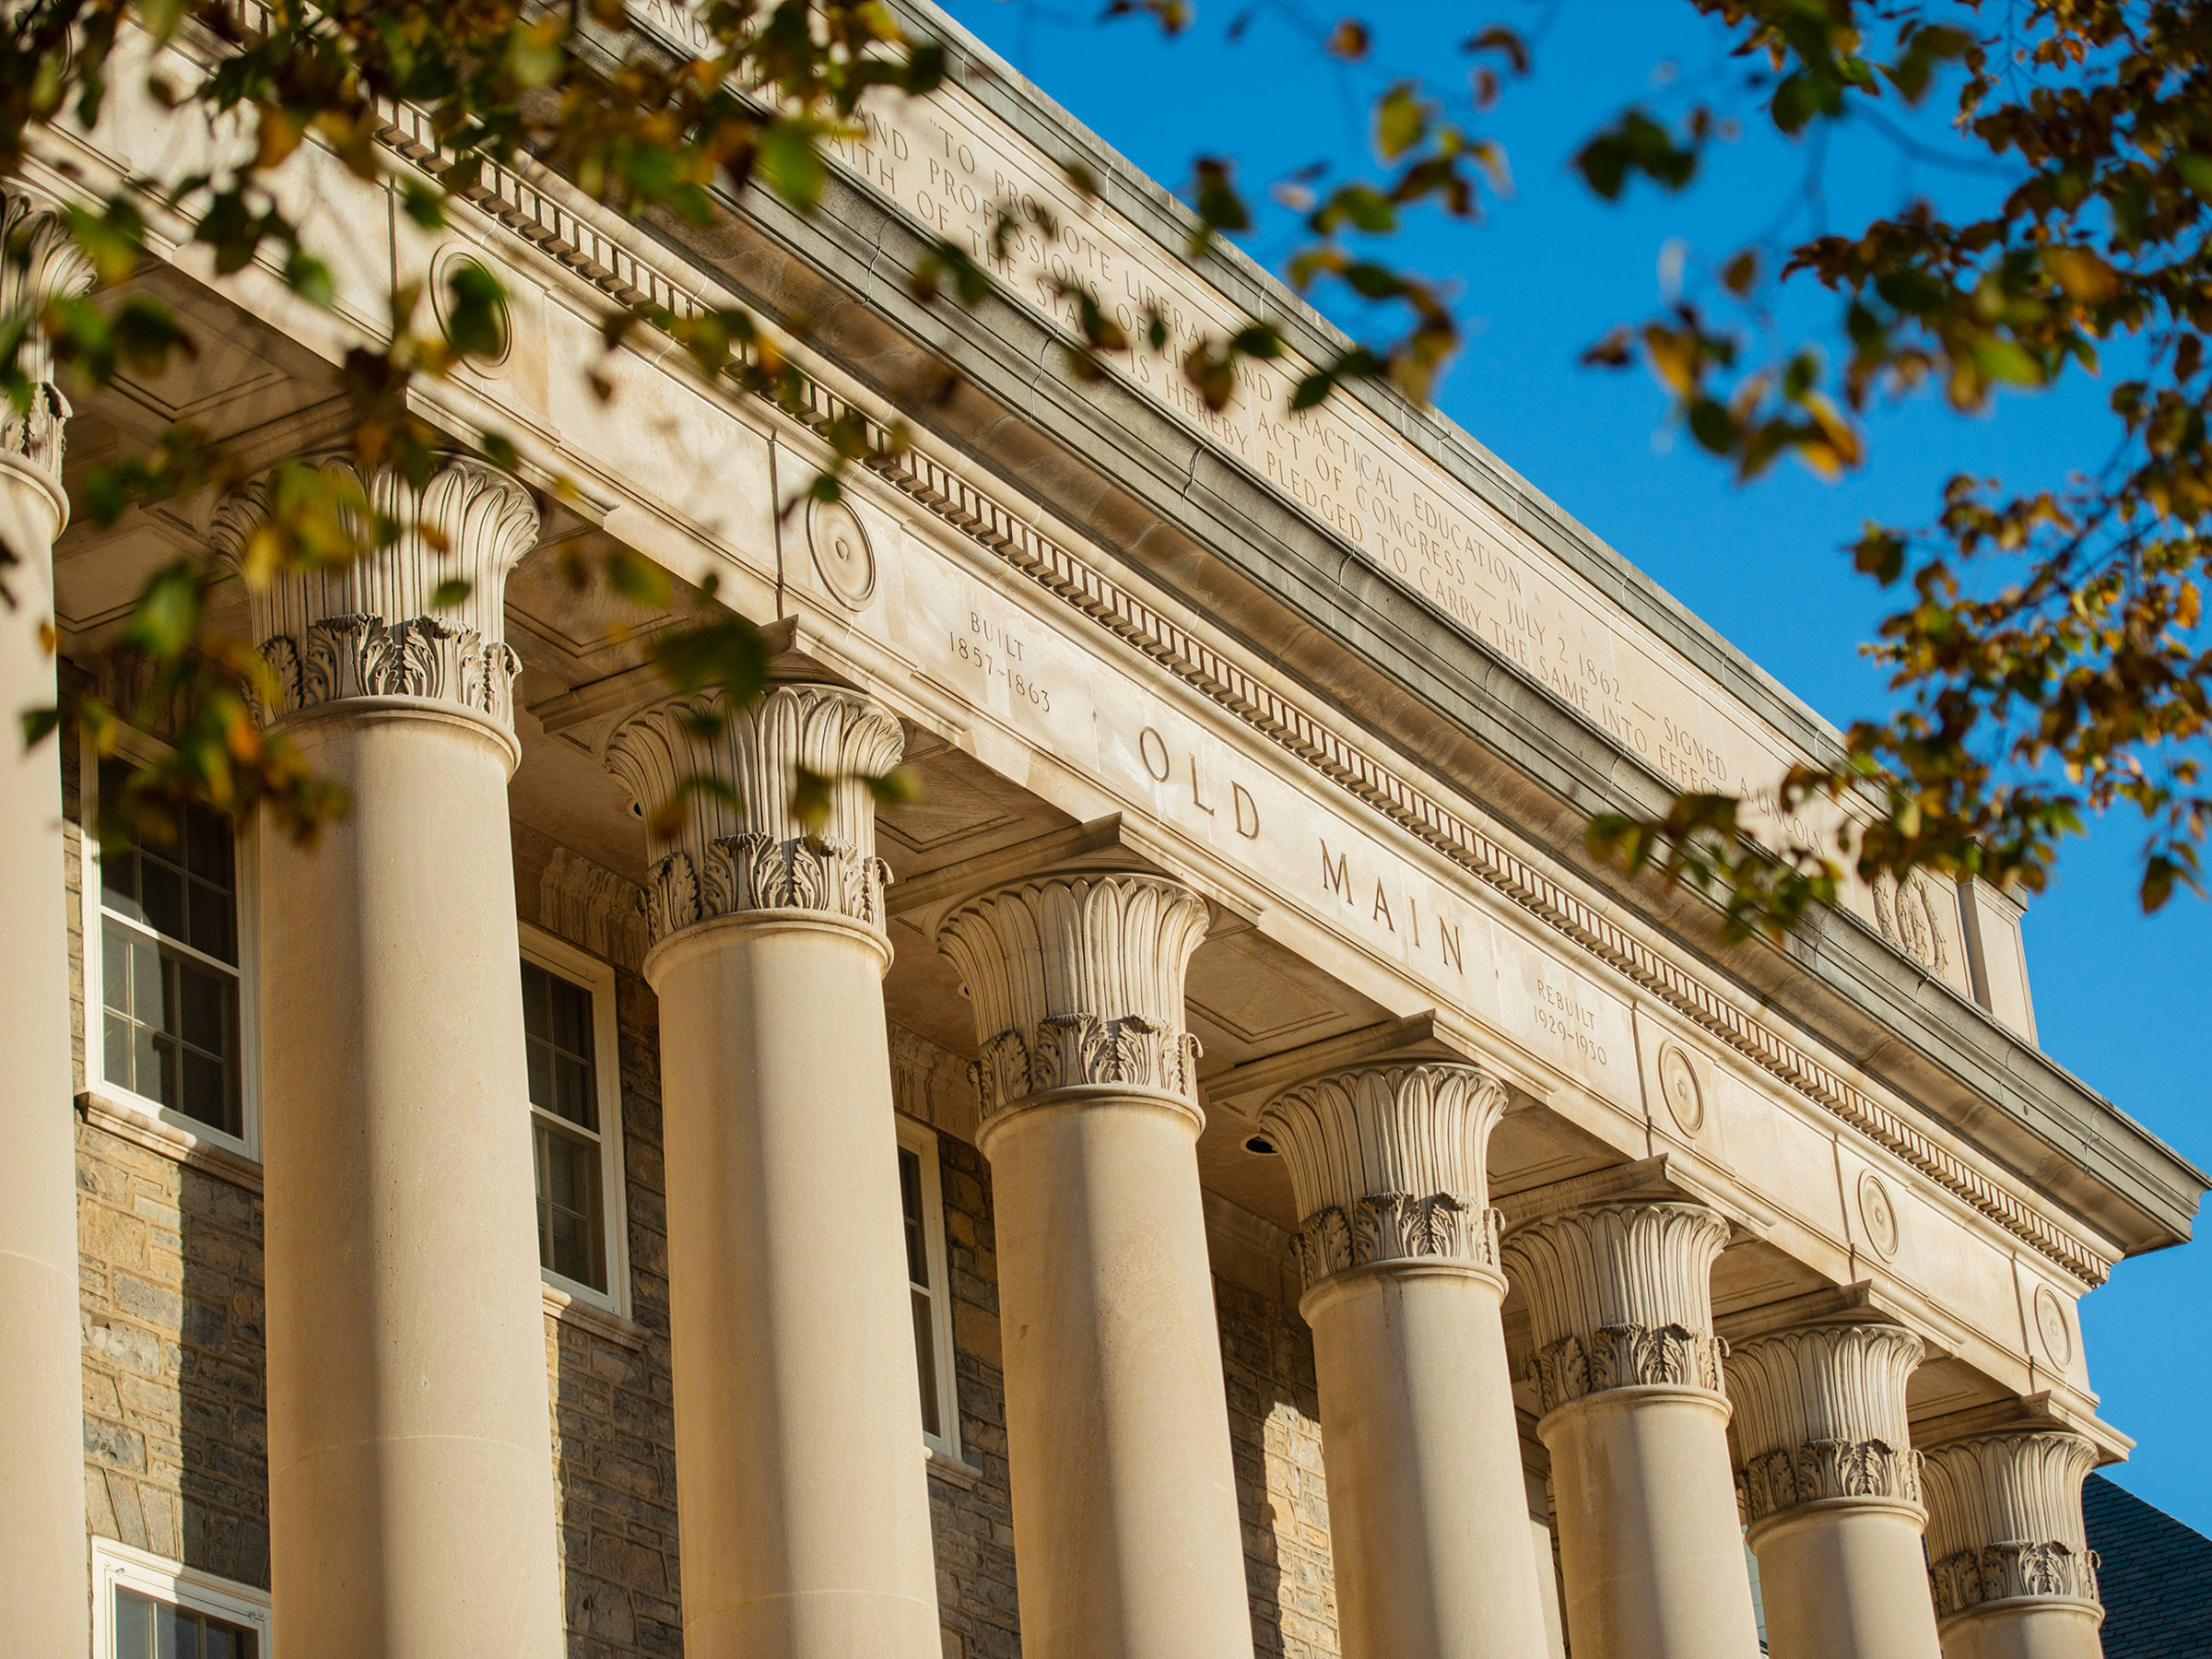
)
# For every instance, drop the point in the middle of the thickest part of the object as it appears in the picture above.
(581, 968)
(922, 1140)
(135, 748)
(118, 1565)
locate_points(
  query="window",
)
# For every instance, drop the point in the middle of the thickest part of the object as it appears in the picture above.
(575, 1117)
(924, 1213)
(145, 1607)
(165, 944)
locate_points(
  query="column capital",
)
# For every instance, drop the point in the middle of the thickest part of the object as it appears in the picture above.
(745, 850)
(1077, 980)
(1390, 1166)
(369, 629)
(1819, 1418)
(55, 268)
(2005, 1522)
(1619, 1296)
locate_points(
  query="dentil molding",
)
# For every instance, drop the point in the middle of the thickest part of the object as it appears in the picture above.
(1620, 1296)
(368, 629)
(1820, 1415)
(1078, 980)
(1389, 1163)
(741, 847)
(2004, 1520)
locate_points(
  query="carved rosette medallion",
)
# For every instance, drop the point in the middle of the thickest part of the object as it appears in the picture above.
(842, 556)
(2051, 1327)
(1078, 980)
(54, 268)
(1390, 1165)
(1620, 1296)
(368, 629)
(1819, 1415)
(1877, 1215)
(747, 851)
(2005, 1520)
(1678, 1084)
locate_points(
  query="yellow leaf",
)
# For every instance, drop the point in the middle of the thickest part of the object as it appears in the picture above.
(2086, 278)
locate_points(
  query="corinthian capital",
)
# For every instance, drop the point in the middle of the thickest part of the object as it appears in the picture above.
(43, 264)
(746, 851)
(2004, 1520)
(1389, 1163)
(1078, 980)
(368, 629)
(1820, 1417)
(1619, 1296)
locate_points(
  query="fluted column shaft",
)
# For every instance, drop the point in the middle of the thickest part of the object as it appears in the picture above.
(42, 1391)
(410, 1475)
(1832, 1491)
(1428, 1520)
(1628, 1372)
(2009, 1560)
(805, 1518)
(1125, 1518)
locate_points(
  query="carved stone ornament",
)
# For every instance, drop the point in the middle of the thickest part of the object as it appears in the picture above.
(1820, 1415)
(1620, 1296)
(1678, 1084)
(2004, 1520)
(1878, 1215)
(368, 629)
(2052, 1329)
(842, 556)
(55, 268)
(1390, 1164)
(1078, 980)
(1907, 913)
(751, 853)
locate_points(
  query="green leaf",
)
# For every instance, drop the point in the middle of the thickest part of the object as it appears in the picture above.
(38, 725)
(449, 593)
(790, 159)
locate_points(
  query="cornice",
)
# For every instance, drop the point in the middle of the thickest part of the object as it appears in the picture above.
(626, 262)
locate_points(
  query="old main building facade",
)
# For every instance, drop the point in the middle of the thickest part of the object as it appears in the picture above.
(1221, 1172)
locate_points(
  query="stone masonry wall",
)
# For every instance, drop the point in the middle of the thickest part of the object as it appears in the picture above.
(1275, 1439)
(614, 1414)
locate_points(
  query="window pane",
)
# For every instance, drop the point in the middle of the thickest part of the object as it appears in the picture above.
(537, 986)
(134, 1625)
(925, 1363)
(119, 883)
(568, 1226)
(213, 923)
(176, 1633)
(910, 1195)
(574, 1099)
(152, 1062)
(162, 893)
(149, 1006)
(572, 1018)
(204, 1008)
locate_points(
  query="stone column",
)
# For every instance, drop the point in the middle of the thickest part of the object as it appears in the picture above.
(805, 1509)
(1832, 1491)
(1628, 1375)
(42, 1389)
(410, 1469)
(1427, 1508)
(2011, 1568)
(1126, 1520)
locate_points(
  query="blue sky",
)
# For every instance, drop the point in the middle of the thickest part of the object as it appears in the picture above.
(2116, 995)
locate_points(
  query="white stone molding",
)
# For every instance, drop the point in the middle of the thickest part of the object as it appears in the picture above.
(1078, 980)
(590, 905)
(2004, 1520)
(747, 851)
(55, 268)
(1619, 1296)
(1819, 1415)
(1389, 1163)
(368, 629)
